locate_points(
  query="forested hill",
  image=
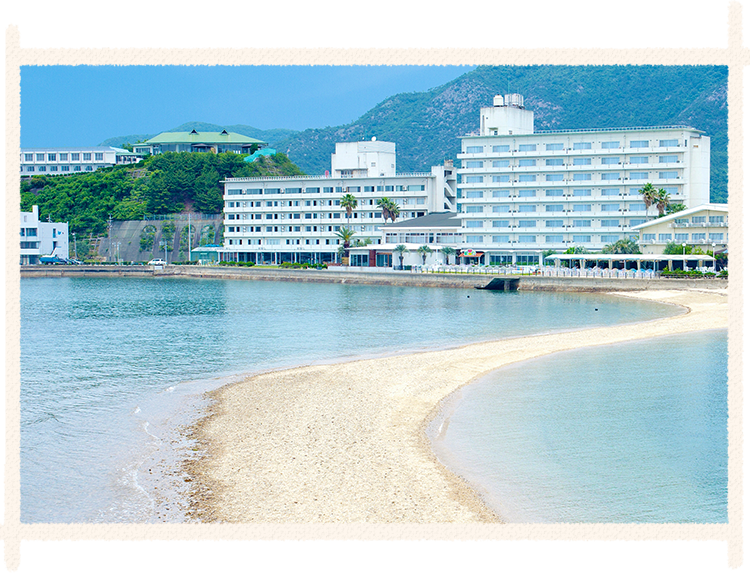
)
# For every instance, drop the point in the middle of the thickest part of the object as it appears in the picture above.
(161, 184)
(426, 126)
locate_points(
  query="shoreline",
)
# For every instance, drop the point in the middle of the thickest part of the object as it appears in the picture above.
(347, 442)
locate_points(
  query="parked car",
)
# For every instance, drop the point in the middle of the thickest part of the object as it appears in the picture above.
(74, 262)
(157, 262)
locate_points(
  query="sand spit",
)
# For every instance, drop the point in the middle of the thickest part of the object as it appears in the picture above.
(345, 443)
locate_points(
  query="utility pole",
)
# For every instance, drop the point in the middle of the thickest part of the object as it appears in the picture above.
(190, 242)
(75, 249)
(109, 232)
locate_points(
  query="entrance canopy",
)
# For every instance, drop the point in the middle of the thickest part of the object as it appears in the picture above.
(629, 258)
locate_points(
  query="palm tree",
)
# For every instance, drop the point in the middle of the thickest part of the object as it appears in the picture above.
(424, 250)
(649, 194)
(393, 210)
(390, 209)
(345, 235)
(448, 251)
(349, 202)
(662, 201)
(400, 249)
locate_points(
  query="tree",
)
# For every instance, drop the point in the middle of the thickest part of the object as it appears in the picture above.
(673, 248)
(400, 249)
(424, 250)
(662, 201)
(649, 194)
(675, 208)
(622, 247)
(390, 209)
(448, 251)
(349, 202)
(345, 235)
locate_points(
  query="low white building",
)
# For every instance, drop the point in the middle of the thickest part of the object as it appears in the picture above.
(704, 226)
(70, 160)
(295, 219)
(39, 238)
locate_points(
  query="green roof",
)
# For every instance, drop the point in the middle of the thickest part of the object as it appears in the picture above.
(207, 137)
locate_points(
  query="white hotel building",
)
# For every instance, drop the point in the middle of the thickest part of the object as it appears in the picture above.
(521, 193)
(40, 238)
(295, 219)
(70, 160)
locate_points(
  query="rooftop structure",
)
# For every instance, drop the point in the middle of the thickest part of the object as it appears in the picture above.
(194, 141)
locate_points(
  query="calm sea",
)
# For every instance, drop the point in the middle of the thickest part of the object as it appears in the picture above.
(630, 433)
(112, 370)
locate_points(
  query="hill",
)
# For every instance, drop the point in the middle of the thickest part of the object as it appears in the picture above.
(426, 126)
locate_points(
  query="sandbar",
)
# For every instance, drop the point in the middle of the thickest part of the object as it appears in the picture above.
(346, 442)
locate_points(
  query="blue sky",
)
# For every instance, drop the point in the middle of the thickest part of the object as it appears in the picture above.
(84, 105)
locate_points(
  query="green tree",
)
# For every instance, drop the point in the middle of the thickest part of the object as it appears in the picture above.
(673, 248)
(648, 194)
(661, 201)
(349, 203)
(345, 235)
(675, 208)
(622, 247)
(424, 250)
(400, 249)
(448, 252)
(390, 209)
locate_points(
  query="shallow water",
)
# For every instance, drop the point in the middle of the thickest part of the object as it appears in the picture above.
(629, 433)
(112, 370)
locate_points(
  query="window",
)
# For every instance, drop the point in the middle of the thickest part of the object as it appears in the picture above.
(637, 144)
(634, 222)
(75, 156)
(610, 145)
(87, 157)
(610, 176)
(649, 236)
(555, 223)
(501, 163)
(607, 239)
(668, 159)
(696, 219)
(610, 207)
(500, 238)
(99, 156)
(63, 157)
(582, 207)
(77, 168)
(474, 149)
(501, 178)
(665, 237)
(716, 236)
(474, 208)
(582, 222)
(668, 143)
(681, 221)
(500, 148)
(527, 208)
(501, 193)
(474, 238)
(53, 168)
(635, 191)
(668, 174)
(473, 178)
(554, 239)
(30, 168)
(65, 168)
(610, 191)
(581, 176)
(581, 192)
(501, 208)
(554, 177)
(474, 194)
(680, 237)
(474, 224)
(526, 162)
(581, 238)
(51, 157)
(637, 207)
(610, 223)
(527, 192)
(698, 237)
(42, 168)
(582, 145)
(639, 159)
(610, 160)
(636, 175)
(581, 161)
(40, 156)
(501, 223)
(716, 219)
(526, 177)
(526, 223)
(474, 164)
(555, 161)
(554, 147)
(527, 239)
(28, 156)
(554, 192)
(527, 147)
(554, 208)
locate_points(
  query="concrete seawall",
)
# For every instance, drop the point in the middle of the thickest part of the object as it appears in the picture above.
(389, 278)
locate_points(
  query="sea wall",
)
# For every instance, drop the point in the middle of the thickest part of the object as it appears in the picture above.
(366, 277)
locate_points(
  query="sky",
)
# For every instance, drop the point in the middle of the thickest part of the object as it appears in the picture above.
(85, 105)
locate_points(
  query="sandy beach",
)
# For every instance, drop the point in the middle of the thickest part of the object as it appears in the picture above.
(346, 442)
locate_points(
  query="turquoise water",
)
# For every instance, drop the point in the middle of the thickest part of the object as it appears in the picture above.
(629, 433)
(113, 369)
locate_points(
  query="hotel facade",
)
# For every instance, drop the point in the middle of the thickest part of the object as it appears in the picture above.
(295, 219)
(522, 192)
(39, 238)
(70, 160)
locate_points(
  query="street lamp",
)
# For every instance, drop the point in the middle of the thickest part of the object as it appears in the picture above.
(683, 248)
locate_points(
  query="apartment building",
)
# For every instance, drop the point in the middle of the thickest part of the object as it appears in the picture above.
(522, 192)
(704, 226)
(70, 160)
(39, 238)
(295, 219)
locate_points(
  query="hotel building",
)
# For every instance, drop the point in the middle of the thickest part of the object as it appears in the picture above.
(39, 238)
(704, 226)
(522, 192)
(70, 160)
(195, 142)
(295, 219)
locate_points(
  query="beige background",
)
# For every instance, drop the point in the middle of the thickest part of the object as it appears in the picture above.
(359, 32)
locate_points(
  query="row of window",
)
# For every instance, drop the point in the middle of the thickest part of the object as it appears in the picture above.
(553, 239)
(699, 219)
(316, 203)
(350, 189)
(528, 223)
(680, 237)
(530, 177)
(578, 146)
(53, 168)
(551, 208)
(558, 192)
(28, 157)
(559, 161)
(301, 229)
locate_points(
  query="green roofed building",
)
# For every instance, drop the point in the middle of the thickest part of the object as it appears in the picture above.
(193, 141)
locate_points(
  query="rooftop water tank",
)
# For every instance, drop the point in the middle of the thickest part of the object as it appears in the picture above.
(515, 100)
